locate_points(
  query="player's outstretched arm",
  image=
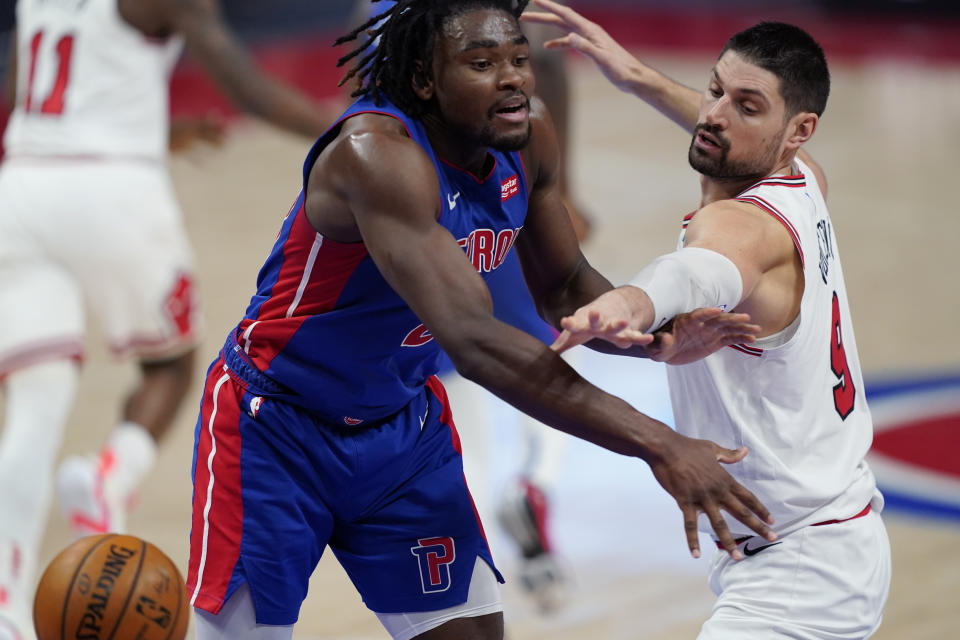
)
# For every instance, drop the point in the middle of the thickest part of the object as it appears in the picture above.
(674, 100)
(389, 187)
(220, 53)
(624, 70)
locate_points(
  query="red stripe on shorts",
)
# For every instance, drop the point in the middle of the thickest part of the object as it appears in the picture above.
(217, 500)
(435, 387)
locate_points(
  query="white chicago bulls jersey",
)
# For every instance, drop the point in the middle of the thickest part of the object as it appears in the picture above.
(88, 84)
(796, 399)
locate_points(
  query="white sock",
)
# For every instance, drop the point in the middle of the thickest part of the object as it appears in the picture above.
(38, 401)
(128, 455)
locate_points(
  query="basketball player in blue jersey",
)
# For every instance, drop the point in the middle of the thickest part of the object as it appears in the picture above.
(322, 422)
(524, 507)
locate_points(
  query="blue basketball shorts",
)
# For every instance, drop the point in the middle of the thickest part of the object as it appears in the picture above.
(273, 487)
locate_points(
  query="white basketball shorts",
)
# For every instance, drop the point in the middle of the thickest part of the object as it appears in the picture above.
(819, 582)
(98, 235)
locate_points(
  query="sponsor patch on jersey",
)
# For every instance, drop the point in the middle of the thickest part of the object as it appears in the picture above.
(916, 437)
(509, 188)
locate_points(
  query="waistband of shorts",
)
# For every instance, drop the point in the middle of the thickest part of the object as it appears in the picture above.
(862, 513)
(239, 363)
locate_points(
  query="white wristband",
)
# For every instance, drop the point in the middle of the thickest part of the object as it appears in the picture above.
(688, 279)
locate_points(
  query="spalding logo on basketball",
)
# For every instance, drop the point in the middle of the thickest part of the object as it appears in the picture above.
(111, 586)
(915, 444)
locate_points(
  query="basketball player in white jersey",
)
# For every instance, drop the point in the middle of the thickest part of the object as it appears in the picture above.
(760, 242)
(88, 220)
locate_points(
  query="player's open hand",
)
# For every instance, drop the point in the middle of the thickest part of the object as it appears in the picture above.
(688, 470)
(611, 317)
(588, 38)
(695, 335)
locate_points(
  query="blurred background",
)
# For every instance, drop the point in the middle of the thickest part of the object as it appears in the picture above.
(888, 144)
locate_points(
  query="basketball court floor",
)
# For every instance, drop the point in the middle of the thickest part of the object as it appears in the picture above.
(888, 143)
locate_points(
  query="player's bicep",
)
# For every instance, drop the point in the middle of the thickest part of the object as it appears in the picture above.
(395, 204)
(744, 236)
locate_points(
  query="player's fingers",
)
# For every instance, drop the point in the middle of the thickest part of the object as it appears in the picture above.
(751, 502)
(595, 319)
(705, 313)
(743, 318)
(560, 344)
(540, 17)
(722, 531)
(730, 456)
(558, 44)
(690, 529)
(577, 322)
(743, 513)
(568, 340)
(570, 16)
(632, 338)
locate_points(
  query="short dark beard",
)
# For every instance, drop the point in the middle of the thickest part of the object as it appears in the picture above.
(506, 143)
(722, 169)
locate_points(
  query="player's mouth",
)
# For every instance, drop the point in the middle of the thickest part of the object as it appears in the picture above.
(708, 141)
(515, 109)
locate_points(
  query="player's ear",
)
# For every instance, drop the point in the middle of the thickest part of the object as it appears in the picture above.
(422, 82)
(803, 125)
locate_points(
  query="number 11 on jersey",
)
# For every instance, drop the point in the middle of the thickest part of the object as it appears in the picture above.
(54, 102)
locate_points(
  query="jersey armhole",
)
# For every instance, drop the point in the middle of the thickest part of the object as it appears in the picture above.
(773, 211)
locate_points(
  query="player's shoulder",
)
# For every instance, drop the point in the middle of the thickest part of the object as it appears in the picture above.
(376, 153)
(725, 209)
(373, 141)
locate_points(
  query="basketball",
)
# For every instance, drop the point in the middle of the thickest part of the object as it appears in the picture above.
(111, 586)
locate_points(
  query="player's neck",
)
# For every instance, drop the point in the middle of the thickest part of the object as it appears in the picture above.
(713, 190)
(454, 148)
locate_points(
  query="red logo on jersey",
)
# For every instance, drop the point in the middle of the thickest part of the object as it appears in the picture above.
(352, 421)
(417, 338)
(509, 188)
(487, 250)
(179, 304)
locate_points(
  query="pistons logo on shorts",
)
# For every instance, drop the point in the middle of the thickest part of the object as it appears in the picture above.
(435, 555)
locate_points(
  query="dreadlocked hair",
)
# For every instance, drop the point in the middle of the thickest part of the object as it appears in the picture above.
(398, 49)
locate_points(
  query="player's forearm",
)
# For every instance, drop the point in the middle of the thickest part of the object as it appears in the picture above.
(523, 372)
(679, 103)
(582, 287)
(280, 106)
(249, 88)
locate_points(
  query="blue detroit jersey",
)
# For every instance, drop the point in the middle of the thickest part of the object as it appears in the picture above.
(325, 325)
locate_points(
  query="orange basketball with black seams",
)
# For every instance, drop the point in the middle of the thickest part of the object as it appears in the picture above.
(111, 586)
